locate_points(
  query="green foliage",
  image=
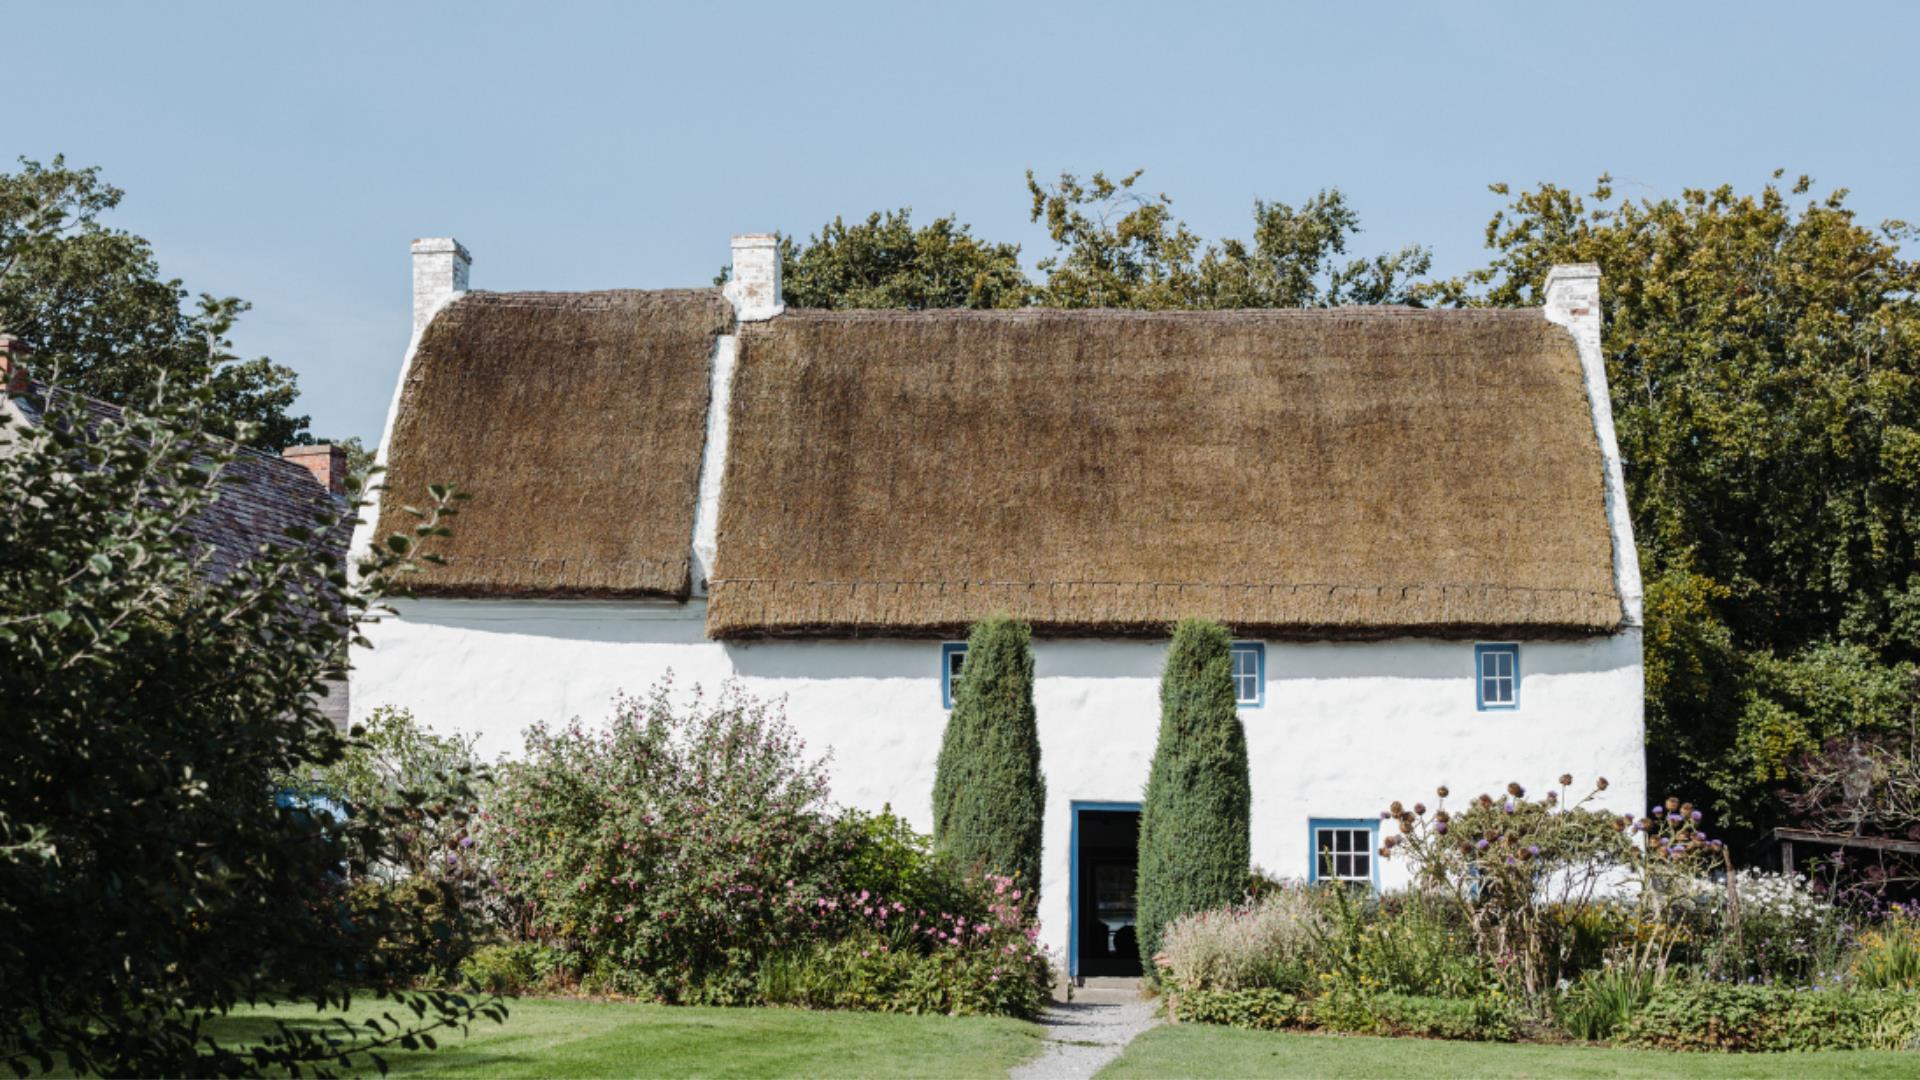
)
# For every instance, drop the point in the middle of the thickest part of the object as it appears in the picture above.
(1484, 1019)
(1887, 957)
(989, 795)
(1602, 1000)
(1119, 248)
(1764, 361)
(1194, 820)
(1533, 879)
(1685, 1014)
(669, 851)
(406, 771)
(148, 877)
(92, 303)
(870, 972)
(884, 262)
(514, 968)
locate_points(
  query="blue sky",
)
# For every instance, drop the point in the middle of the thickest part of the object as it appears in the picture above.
(287, 154)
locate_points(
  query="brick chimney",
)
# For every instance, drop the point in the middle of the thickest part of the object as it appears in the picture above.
(754, 283)
(440, 266)
(327, 463)
(13, 363)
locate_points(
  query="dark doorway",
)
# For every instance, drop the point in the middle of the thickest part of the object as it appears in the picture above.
(1106, 866)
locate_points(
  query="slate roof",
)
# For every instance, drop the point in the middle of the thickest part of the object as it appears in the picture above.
(263, 496)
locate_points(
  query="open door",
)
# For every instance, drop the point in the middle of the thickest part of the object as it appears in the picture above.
(1106, 867)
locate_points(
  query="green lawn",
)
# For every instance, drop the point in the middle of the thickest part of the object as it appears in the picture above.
(590, 1038)
(1200, 1050)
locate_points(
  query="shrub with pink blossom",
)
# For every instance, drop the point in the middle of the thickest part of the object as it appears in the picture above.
(888, 956)
(670, 849)
(691, 855)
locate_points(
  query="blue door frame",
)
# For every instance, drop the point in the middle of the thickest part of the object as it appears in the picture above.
(1073, 878)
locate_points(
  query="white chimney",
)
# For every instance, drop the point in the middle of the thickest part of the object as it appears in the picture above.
(1572, 296)
(1573, 300)
(440, 266)
(754, 283)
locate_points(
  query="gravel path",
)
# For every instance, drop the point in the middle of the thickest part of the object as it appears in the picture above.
(1083, 1035)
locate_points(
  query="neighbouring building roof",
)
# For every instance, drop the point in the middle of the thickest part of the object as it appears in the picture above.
(261, 496)
(576, 423)
(1349, 472)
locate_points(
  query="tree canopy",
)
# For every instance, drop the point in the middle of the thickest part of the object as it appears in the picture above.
(93, 304)
(1114, 246)
(1764, 359)
(149, 877)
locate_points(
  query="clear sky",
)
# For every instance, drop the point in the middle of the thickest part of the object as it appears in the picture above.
(288, 153)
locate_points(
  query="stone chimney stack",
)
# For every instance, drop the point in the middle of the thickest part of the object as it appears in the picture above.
(13, 363)
(754, 283)
(1573, 300)
(327, 463)
(440, 266)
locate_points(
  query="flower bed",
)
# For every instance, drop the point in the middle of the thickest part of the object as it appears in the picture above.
(1551, 919)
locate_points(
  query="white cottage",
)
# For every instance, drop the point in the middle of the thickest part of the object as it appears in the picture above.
(1414, 521)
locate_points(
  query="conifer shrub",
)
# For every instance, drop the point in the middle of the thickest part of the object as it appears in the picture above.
(989, 796)
(1193, 825)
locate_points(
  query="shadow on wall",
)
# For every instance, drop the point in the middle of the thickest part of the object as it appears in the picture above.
(683, 625)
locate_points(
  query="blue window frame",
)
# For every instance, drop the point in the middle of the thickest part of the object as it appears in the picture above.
(953, 656)
(1250, 673)
(1496, 670)
(1344, 849)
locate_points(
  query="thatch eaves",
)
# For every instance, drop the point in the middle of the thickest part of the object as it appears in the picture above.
(576, 421)
(1346, 473)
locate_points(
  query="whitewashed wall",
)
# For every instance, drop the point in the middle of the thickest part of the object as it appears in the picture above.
(1346, 727)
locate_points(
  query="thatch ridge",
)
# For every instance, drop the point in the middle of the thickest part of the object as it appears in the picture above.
(576, 421)
(1357, 472)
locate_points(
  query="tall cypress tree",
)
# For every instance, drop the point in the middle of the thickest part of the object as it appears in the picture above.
(988, 792)
(1193, 826)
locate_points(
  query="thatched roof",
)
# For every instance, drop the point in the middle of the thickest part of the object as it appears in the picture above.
(1355, 472)
(576, 421)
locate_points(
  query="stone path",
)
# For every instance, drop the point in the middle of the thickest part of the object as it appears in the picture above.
(1086, 1033)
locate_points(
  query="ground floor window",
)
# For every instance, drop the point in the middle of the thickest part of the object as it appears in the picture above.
(1343, 850)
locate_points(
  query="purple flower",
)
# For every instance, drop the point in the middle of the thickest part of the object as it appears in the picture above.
(1533, 849)
(1441, 828)
(1696, 815)
(1508, 807)
(1481, 844)
(1658, 811)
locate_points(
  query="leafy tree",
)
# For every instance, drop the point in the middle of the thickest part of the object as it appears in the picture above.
(989, 795)
(884, 262)
(1121, 248)
(149, 877)
(93, 304)
(1764, 360)
(1194, 847)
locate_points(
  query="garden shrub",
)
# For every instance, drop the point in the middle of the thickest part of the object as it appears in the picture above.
(1405, 943)
(513, 968)
(1486, 1018)
(894, 958)
(1602, 1001)
(1690, 1014)
(671, 850)
(1531, 877)
(1194, 820)
(1887, 957)
(1784, 931)
(149, 879)
(989, 795)
(1273, 942)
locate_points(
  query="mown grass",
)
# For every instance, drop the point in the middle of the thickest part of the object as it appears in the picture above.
(563, 1038)
(1202, 1050)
